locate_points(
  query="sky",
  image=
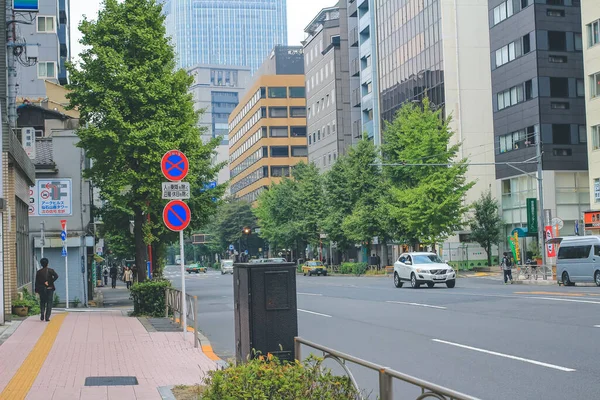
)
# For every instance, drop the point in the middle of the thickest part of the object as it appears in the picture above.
(300, 13)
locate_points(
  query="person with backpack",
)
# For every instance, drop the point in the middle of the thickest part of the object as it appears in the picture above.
(507, 268)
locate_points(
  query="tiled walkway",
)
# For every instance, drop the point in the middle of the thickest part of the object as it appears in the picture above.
(91, 344)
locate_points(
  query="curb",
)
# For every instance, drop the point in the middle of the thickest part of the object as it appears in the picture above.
(536, 283)
(13, 325)
(166, 393)
(209, 352)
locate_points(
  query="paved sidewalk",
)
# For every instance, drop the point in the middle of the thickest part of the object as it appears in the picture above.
(74, 346)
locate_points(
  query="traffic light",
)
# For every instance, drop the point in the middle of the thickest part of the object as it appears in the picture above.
(246, 231)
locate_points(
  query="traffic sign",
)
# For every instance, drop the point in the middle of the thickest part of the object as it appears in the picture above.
(176, 215)
(246, 252)
(64, 252)
(209, 186)
(231, 247)
(63, 224)
(63, 236)
(175, 190)
(174, 165)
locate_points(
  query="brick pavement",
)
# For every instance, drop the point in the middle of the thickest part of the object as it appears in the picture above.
(91, 344)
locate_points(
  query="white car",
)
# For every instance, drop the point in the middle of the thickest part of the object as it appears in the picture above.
(226, 267)
(420, 268)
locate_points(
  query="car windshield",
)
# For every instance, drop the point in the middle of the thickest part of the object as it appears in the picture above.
(228, 263)
(427, 259)
(314, 263)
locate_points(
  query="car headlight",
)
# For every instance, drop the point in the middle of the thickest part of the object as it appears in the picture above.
(450, 271)
(422, 271)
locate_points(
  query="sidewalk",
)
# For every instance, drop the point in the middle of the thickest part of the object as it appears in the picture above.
(51, 361)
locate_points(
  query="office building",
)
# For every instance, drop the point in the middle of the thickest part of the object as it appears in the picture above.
(327, 87)
(267, 130)
(590, 12)
(539, 93)
(225, 32)
(216, 91)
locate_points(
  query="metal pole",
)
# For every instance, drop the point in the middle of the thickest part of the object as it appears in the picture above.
(43, 238)
(183, 303)
(196, 321)
(67, 279)
(297, 349)
(385, 386)
(540, 180)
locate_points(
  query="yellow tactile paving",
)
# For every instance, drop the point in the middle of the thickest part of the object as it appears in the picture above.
(21, 382)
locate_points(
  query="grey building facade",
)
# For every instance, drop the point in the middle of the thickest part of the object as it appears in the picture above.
(327, 87)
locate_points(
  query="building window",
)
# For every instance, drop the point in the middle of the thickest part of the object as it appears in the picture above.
(517, 140)
(557, 41)
(298, 131)
(562, 152)
(561, 134)
(597, 190)
(46, 69)
(297, 112)
(594, 33)
(555, 2)
(279, 131)
(309, 140)
(277, 93)
(297, 92)
(551, 12)
(559, 105)
(595, 85)
(280, 171)
(278, 112)
(557, 59)
(263, 92)
(596, 137)
(280, 151)
(510, 97)
(505, 54)
(582, 134)
(46, 24)
(299, 151)
(503, 11)
(578, 41)
(319, 134)
(580, 87)
(559, 87)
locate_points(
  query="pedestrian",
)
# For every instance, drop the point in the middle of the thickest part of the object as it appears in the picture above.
(128, 277)
(44, 286)
(507, 268)
(105, 273)
(113, 276)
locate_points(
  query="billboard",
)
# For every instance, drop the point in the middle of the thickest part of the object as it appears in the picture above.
(51, 198)
(26, 5)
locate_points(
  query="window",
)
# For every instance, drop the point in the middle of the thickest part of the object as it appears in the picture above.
(578, 41)
(596, 137)
(299, 151)
(595, 85)
(594, 33)
(505, 54)
(559, 105)
(596, 247)
(263, 112)
(319, 134)
(559, 87)
(503, 11)
(561, 134)
(510, 97)
(525, 3)
(517, 140)
(580, 87)
(562, 152)
(277, 171)
(263, 92)
(297, 112)
(46, 69)
(582, 134)
(557, 41)
(277, 93)
(46, 24)
(279, 151)
(551, 12)
(526, 40)
(298, 131)
(277, 112)
(574, 252)
(555, 2)
(557, 59)
(297, 92)
(279, 131)
(529, 93)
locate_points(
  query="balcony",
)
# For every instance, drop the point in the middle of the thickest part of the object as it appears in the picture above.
(355, 67)
(356, 98)
(356, 129)
(352, 8)
(354, 37)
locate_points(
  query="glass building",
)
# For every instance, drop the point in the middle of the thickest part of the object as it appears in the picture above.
(225, 32)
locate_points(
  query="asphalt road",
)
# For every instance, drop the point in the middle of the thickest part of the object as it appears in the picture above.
(483, 338)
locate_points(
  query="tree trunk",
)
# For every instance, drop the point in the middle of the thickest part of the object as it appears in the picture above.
(488, 250)
(385, 258)
(140, 246)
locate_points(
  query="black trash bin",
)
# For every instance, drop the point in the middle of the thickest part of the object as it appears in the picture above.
(266, 315)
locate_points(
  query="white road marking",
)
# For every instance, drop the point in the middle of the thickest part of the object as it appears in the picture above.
(416, 304)
(310, 294)
(494, 353)
(315, 313)
(567, 300)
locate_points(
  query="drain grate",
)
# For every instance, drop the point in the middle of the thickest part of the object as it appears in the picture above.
(111, 381)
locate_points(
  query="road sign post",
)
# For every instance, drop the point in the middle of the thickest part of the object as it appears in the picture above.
(63, 236)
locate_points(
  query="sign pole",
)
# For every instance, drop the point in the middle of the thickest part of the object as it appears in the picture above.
(183, 302)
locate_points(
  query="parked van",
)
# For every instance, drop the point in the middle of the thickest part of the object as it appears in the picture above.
(578, 260)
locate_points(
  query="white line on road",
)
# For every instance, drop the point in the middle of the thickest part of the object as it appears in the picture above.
(494, 353)
(416, 304)
(310, 294)
(315, 313)
(567, 300)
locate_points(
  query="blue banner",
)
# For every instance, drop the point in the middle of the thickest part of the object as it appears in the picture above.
(26, 5)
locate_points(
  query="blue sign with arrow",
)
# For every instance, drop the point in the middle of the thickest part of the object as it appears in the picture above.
(64, 252)
(63, 236)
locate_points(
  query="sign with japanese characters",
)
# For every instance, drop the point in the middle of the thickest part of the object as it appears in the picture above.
(175, 190)
(28, 137)
(51, 197)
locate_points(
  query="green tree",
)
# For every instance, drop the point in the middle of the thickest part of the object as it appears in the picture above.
(134, 107)
(486, 225)
(231, 218)
(426, 201)
(339, 202)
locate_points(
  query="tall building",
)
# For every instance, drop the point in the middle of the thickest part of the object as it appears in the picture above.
(225, 32)
(216, 90)
(590, 12)
(327, 87)
(539, 94)
(267, 130)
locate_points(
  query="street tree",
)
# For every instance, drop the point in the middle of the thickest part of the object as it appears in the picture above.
(231, 218)
(428, 183)
(339, 202)
(486, 225)
(135, 106)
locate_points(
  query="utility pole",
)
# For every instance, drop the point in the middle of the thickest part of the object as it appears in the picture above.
(11, 62)
(540, 179)
(43, 238)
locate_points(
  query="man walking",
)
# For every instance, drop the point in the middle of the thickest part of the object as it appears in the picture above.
(44, 286)
(113, 276)
(507, 268)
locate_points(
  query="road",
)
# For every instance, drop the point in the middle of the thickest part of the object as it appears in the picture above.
(483, 338)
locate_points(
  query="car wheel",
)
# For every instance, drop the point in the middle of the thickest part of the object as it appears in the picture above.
(450, 284)
(430, 285)
(397, 282)
(566, 280)
(597, 278)
(413, 282)
(222, 273)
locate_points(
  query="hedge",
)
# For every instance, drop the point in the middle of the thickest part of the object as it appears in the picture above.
(149, 297)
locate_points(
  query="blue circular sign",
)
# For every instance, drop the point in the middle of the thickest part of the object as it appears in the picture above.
(176, 215)
(174, 165)
(231, 247)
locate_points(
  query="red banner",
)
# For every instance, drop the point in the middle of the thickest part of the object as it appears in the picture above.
(550, 247)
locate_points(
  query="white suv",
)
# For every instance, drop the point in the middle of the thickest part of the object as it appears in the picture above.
(419, 268)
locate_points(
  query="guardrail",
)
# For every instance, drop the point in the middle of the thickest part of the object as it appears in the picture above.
(173, 303)
(386, 375)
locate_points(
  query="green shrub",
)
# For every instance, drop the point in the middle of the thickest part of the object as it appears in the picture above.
(29, 300)
(346, 268)
(149, 297)
(268, 378)
(359, 268)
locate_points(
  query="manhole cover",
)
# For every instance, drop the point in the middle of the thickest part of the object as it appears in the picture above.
(111, 381)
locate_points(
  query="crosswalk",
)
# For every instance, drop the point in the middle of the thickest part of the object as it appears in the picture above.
(174, 272)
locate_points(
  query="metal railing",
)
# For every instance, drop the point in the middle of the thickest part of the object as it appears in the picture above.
(386, 375)
(174, 304)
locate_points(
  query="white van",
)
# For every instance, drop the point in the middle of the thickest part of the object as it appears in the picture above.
(578, 260)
